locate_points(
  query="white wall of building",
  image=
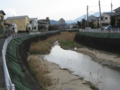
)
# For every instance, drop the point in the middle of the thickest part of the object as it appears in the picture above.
(34, 24)
(14, 28)
(106, 18)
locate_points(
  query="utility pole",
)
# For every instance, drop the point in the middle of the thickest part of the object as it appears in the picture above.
(100, 14)
(111, 6)
(87, 17)
(85, 20)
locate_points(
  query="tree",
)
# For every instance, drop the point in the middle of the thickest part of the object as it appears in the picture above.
(39, 27)
(91, 18)
(83, 25)
(112, 21)
(79, 24)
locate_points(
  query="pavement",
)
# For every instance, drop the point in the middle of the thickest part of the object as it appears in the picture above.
(2, 79)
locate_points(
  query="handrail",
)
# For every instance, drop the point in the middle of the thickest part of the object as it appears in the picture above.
(112, 30)
(8, 82)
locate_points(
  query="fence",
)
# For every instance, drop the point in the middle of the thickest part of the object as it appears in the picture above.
(8, 82)
(113, 30)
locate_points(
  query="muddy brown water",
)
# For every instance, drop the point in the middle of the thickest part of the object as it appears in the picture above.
(82, 65)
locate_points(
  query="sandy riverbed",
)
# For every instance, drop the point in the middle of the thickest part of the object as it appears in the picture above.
(101, 56)
(62, 79)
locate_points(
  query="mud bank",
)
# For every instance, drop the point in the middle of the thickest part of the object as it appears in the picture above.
(105, 58)
(63, 79)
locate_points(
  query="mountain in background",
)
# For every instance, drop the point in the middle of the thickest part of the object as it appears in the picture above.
(53, 22)
(82, 17)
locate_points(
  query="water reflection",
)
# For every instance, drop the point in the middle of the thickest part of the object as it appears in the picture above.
(79, 64)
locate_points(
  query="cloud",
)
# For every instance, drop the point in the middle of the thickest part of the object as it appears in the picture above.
(10, 12)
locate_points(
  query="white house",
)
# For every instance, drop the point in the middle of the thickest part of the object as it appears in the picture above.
(105, 18)
(29, 27)
(14, 28)
(34, 23)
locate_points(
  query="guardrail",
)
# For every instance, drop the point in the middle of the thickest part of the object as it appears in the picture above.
(8, 82)
(117, 30)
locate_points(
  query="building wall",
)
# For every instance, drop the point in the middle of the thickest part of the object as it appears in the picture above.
(104, 18)
(96, 23)
(61, 21)
(2, 21)
(34, 24)
(21, 23)
(117, 21)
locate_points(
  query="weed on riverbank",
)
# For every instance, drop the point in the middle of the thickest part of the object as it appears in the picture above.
(66, 40)
(39, 71)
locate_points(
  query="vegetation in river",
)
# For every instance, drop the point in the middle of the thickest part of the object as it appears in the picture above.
(39, 71)
(66, 40)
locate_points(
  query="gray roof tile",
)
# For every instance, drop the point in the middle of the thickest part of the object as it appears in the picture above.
(16, 17)
(1, 11)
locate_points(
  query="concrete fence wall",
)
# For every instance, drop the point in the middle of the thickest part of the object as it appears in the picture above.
(101, 43)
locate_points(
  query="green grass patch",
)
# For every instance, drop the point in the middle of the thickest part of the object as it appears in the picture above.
(69, 44)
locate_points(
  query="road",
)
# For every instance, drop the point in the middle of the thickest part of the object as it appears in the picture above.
(2, 80)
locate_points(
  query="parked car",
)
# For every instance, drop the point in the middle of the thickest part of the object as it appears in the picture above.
(107, 27)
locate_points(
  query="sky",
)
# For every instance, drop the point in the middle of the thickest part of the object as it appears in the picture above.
(55, 9)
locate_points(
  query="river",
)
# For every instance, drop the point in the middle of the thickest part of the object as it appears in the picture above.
(82, 65)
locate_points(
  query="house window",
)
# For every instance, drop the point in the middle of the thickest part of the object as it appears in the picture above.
(105, 18)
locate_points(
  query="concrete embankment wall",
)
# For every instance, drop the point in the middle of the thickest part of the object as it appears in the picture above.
(103, 41)
(25, 45)
(16, 59)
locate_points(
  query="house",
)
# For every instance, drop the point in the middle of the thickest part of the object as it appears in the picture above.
(116, 15)
(21, 21)
(44, 24)
(96, 22)
(46, 20)
(105, 18)
(2, 14)
(34, 23)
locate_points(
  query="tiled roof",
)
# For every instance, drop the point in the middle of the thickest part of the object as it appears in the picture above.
(117, 9)
(16, 17)
(1, 11)
(113, 14)
(32, 19)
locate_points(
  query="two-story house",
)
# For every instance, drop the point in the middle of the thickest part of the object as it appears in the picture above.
(34, 23)
(44, 24)
(2, 26)
(21, 21)
(106, 18)
(116, 15)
